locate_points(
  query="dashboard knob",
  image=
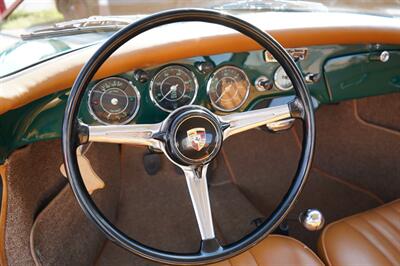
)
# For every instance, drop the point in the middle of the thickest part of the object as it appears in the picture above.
(312, 77)
(312, 219)
(205, 67)
(263, 84)
(141, 76)
(382, 56)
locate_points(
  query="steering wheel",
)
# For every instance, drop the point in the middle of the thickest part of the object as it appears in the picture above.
(190, 137)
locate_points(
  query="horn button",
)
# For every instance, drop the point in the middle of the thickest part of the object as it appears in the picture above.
(194, 136)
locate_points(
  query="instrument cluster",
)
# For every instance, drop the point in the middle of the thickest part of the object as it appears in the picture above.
(224, 88)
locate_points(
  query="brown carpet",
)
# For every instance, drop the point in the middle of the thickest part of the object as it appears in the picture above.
(155, 210)
(357, 153)
(265, 173)
(381, 110)
(33, 178)
(263, 165)
(62, 225)
(233, 213)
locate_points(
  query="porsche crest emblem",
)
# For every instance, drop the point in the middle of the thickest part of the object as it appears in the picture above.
(197, 138)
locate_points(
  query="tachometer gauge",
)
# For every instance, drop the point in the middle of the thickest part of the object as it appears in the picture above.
(172, 87)
(282, 81)
(114, 101)
(228, 88)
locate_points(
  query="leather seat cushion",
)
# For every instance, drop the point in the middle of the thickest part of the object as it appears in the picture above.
(368, 238)
(275, 250)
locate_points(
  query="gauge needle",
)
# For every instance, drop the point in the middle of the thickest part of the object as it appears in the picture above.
(226, 89)
(173, 88)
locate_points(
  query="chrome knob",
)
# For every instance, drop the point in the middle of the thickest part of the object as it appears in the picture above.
(263, 84)
(312, 219)
(382, 57)
(312, 77)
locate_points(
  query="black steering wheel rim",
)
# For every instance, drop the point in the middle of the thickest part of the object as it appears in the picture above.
(71, 133)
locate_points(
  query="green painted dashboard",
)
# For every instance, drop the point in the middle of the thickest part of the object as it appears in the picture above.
(343, 73)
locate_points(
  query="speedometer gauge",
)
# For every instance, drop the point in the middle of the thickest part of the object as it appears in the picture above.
(282, 81)
(174, 86)
(228, 88)
(114, 101)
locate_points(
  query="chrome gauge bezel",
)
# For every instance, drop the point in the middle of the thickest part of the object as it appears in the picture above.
(192, 75)
(280, 68)
(244, 98)
(93, 114)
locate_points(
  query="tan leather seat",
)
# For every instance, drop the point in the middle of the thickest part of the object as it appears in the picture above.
(275, 250)
(368, 238)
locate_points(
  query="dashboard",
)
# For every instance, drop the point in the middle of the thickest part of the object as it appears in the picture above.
(235, 82)
(223, 83)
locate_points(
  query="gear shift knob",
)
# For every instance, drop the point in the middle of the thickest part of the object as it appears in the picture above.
(312, 219)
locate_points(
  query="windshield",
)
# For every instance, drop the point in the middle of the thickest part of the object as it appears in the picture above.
(28, 25)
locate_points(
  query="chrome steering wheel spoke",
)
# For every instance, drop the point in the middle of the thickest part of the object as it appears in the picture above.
(144, 135)
(240, 122)
(196, 179)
